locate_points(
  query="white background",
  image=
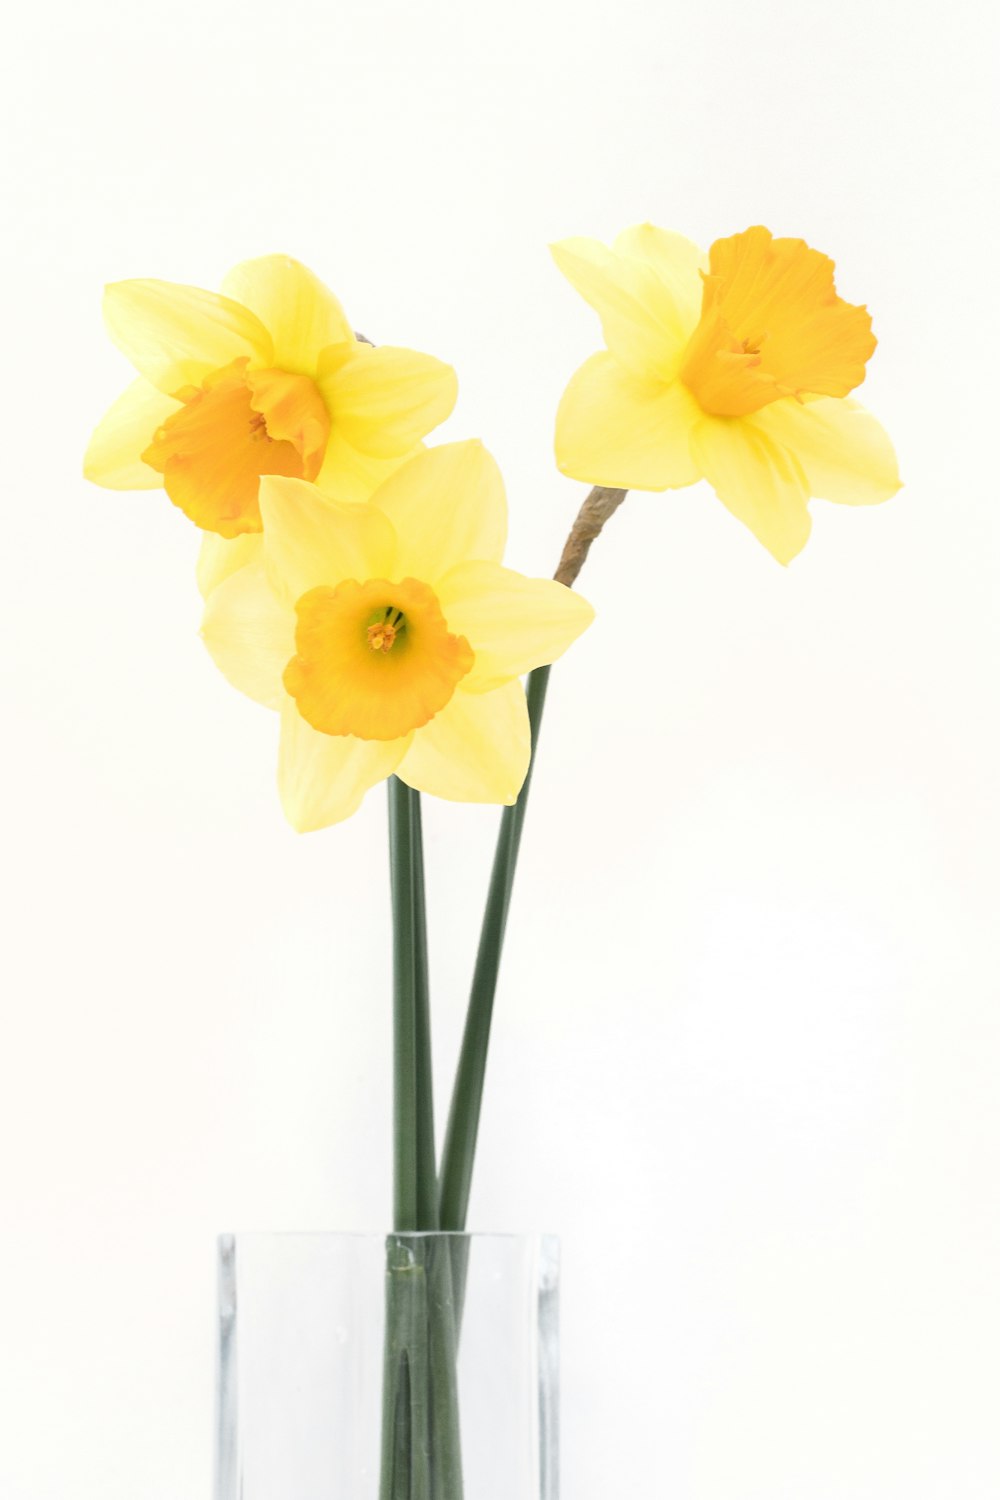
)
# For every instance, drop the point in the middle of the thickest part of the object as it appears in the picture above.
(747, 1042)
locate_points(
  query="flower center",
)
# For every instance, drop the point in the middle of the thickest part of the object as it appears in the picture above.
(237, 425)
(374, 659)
(382, 633)
(772, 326)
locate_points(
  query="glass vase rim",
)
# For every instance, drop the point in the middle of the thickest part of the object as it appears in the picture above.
(380, 1235)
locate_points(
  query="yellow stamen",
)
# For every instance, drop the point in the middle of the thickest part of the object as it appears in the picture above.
(381, 636)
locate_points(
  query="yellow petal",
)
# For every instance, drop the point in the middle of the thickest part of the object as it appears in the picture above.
(220, 556)
(321, 777)
(475, 750)
(512, 623)
(678, 263)
(310, 539)
(761, 483)
(846, 454)
(623, 430)
(123, 434)
(447, 506)
(177, 335)
(641, 322)
(383, 401)
(349, 475)
(250, 634)
(298, 311)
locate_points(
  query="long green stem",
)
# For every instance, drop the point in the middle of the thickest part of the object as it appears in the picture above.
(466, 1101)
(406, 1417)
(406, 1212)
(421, 1446)
(427, 1204)
(444, 1314)
(467, 1095)
(443, 1432)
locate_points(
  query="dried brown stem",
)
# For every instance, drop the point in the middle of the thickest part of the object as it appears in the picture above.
(599, 506)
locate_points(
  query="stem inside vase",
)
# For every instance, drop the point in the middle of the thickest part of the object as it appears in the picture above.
(421, 1440)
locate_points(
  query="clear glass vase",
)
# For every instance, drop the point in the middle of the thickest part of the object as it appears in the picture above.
(388, 1367)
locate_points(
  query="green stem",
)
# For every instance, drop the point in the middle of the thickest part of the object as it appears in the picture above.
(406, 1212)
(421, 1447)
(441, 1365)
(427, 1204)
(466, 1100)
(406, 1417)
(467, 1095)
(446, 1435)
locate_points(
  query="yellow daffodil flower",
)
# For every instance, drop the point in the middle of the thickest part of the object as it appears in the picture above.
(266, 378)
(389, 637)
(732, 367)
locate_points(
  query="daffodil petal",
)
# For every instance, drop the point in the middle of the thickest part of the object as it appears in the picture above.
(678, 263)
(627, 431)
(123, 433)
(351, 476)
(759, 481)
(846, 454)
(640, 319)
(220, 556)
(322, 778)
(447, 506)
(475, 750)
(250, 634)
(177, 335)
(310, 539)
(512, 623)
(385, 400)
(302, 316)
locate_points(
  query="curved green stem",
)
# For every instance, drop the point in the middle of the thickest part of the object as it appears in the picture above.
(466, 1100)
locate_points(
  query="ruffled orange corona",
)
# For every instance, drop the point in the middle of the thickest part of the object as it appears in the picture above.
(374, 659)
